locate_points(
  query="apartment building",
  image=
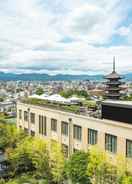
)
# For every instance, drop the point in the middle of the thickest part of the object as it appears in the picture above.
(75, 131)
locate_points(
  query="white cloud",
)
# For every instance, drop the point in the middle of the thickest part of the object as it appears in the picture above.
(32, 32)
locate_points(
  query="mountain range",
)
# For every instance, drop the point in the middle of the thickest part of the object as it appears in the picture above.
(46, 77)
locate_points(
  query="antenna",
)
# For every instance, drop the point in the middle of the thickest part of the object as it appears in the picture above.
(114, 64)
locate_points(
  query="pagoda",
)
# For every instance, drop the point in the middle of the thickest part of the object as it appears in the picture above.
(113, 84)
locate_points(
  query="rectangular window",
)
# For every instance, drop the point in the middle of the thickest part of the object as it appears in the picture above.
(25, 116)
(92, 136)
(64, 128)
(111, 143)
(32, 133)
(32, 117)
(54, 125)
(42, 125)
(129, 148)
(75, 150)
(77, 132)
(20, 114)
(65, 150)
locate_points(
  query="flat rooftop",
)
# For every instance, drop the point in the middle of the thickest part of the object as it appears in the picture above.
(118, 103)
(77, 109)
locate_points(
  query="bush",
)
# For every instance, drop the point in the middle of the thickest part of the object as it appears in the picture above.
(76, 168)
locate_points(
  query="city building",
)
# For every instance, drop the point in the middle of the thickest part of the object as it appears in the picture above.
(76, 131)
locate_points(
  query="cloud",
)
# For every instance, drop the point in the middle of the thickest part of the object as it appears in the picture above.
(66, 36)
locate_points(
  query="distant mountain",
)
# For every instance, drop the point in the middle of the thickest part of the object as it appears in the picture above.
(46, 77)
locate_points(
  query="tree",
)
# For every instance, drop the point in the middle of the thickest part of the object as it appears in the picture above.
(76, 168)
(126, 180)
(40, 159)
(9, 135)
(39, 91)
(102, 170)
(20, 158)
(36, 156)
(56, 162)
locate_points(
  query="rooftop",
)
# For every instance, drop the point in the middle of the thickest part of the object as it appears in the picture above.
(81, 108)
(113, 74)
(119, 103)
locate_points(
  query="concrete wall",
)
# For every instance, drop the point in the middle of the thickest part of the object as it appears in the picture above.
(123, 131)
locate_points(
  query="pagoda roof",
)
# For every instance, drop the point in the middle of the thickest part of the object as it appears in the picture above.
(113, 75)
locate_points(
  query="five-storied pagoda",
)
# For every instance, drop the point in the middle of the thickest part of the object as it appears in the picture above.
(113, 84)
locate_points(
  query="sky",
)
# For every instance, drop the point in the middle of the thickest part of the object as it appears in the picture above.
(65, 36)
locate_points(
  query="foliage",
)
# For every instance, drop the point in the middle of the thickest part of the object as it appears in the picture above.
(90, 104)
(56, 162)
(100, 169)
(76, 168)
(26, 179)
(9, 135)
(37, 161)
(126, 180)
(79, 93)
(1, 99)
(128, 98)
(20, 158)
(39, 91)
(69, 108)
(33, 155)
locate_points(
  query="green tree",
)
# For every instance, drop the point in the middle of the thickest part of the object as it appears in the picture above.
(76, 168)
(40, 159)
(126, 180)
(9, 135)
(20, 158)
(56, 162)
(39, 91)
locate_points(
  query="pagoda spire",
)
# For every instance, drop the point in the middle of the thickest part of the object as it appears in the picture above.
(114, 64)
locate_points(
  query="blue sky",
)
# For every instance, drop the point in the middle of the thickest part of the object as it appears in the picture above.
(65, 36)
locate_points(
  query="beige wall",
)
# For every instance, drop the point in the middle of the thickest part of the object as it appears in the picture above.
(121, 130)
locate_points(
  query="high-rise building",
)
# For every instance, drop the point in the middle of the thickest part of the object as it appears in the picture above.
(113, 84)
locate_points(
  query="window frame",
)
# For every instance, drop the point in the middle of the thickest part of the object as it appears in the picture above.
(32, 117)
(26, 116)
(92, 136)
(77, 132)
(64, 128)
(111, 143)
(43, 125)
(54, 125)
(128, 154)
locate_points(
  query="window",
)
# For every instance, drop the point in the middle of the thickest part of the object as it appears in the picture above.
(54, 125)
(25, 116)
(111, 143)
(92, 136)
(77, 132)
(42, 125)
(20, 114)
(64, 128)
(129, 148)
(75, 150)
(65, 150)
(32, 133)
(32, 117)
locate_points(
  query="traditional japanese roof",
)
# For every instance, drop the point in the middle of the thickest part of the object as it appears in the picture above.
(113, 74)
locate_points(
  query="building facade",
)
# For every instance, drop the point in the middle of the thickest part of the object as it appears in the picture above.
(75, 132)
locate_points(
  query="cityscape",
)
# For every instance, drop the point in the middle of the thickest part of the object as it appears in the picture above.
(66, 92)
